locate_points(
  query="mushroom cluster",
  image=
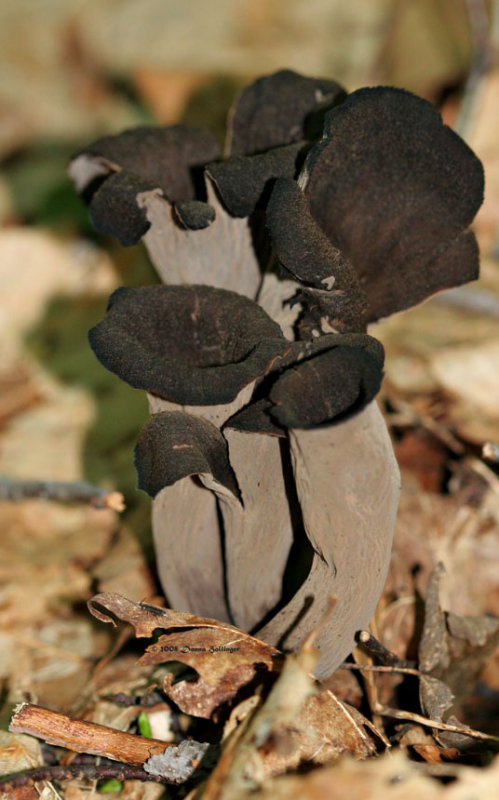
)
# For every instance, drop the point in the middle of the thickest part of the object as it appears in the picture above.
(272, 473)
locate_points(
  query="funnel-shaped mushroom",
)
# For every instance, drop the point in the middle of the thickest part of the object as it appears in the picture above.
(265, 436)
(172, 448)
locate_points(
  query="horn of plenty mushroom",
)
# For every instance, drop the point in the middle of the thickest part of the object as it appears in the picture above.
(273, 476)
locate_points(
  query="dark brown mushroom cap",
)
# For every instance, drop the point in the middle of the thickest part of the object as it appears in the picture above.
(112, 173)
(174, 444)
(393, 188)
(114, 209)
(279, 109)
(320, 390)
(165, 157)
(241, 180)
(194, 345)
(194, 214)
(304, 250)
(316, 383)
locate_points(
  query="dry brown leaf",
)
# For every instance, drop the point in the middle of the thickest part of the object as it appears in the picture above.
(483, 140)
(440, 31)
(297, 724)
(471, 376)
(452, 652)
(124, 568)
(449, 351)
(324, 730)
(47, 421)
(49, 267)
(238, 37)
(392, 777)
(224, 657)
(45, 553)
(19, 752)
(431, 528)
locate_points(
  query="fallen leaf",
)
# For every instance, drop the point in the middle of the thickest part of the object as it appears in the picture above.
(452, 652)
(392, 777)
(224, 658)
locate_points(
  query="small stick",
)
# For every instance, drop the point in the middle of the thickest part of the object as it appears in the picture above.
(379, 651)
(90, 772)
(385, 711)
(84, 737)
(375, 668)
(73, 492)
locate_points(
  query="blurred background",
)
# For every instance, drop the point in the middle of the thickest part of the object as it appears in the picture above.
(73, 70)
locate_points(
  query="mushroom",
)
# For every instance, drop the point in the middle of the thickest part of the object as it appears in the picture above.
(161, 339)
(328, 212)
(200, 349)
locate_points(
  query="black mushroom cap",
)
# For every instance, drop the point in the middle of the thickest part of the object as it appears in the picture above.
(165, 157)
(114, 209)
(114, 173)
(322, 389)
(194, 214)
(242, 180)
(193, 345)
(304, 250)
(318, 382)
(394, 188)
(174, 444)
(279, 109)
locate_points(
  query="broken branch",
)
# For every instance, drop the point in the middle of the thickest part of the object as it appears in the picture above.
(66, 772)
(393, 670)
(62, 492)
(84, 737)
(385, 711)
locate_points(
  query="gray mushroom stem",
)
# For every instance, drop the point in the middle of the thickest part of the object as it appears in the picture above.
(348, 484)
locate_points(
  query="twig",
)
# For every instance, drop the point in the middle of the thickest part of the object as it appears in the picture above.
(84, 737)
(386, 711)
(374, 668)
(90, 772)
(379, 651)
(73, 492)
